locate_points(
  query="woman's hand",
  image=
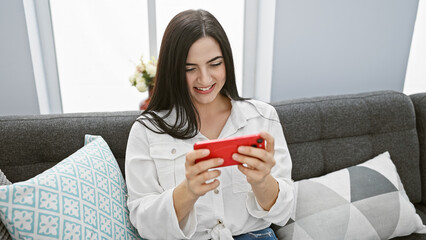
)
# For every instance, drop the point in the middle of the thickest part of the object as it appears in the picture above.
(257, 162)
(257, 165)
(197, 174)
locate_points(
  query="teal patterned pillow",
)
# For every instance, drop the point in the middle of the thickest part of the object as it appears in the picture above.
(4, 234)
(82, 197)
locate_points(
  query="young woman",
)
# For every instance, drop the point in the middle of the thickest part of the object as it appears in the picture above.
(196, 99)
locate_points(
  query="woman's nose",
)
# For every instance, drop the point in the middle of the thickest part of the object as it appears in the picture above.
(205, 76)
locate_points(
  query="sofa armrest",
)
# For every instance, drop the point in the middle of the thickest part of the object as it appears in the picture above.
(419, 102)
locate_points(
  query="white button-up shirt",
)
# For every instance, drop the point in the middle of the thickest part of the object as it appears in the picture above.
(155, 165)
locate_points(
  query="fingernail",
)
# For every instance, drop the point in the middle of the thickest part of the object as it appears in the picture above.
(235, 156)
(206, 152)
(220, 160)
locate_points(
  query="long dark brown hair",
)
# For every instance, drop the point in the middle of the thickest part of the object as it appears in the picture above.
(171, 89)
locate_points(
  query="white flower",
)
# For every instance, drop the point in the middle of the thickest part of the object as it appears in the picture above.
(140, 67)
(132, 80)
(151, 69)
(137, 75)
(141, 86)
(140, 79)
(145, 72)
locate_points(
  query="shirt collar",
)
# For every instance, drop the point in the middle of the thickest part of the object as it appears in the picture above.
(241, 112)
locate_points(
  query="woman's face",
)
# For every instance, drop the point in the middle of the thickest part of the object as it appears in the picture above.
(205, 71)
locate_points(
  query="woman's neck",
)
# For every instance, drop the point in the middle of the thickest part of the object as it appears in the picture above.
(213, 116)
(220, 104)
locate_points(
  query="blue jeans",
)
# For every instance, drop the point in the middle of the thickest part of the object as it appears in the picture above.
(265, 234)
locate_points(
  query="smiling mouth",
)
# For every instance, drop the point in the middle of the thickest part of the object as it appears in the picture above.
(204, 89)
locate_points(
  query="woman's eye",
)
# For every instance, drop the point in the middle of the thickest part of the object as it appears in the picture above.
(216, 64)
(189, 69)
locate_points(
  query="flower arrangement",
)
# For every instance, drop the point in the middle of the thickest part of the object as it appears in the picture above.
(143, 78)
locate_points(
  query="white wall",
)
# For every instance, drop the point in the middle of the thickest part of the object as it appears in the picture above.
(332, 47)
(18, 93)
(320, 48)
(415, 80)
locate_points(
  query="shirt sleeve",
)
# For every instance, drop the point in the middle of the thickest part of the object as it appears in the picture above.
(151, 207)
(282, 209)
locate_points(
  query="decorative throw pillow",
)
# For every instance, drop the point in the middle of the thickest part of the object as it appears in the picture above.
(82, 197)
(4, 234)
(366, 201)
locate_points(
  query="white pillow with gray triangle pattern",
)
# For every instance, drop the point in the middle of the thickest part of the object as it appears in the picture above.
(366, 201)
(82, 197)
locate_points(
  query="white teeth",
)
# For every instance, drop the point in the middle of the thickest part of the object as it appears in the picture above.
(204, 89)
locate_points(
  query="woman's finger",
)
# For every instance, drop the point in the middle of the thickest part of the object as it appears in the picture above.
(206, 187)
(253, 152)
(207, 177)
(251, 162)
(205, 165)
(194, 155)
(204, 182)
(202, 166)
(270, 141)
(252, 175)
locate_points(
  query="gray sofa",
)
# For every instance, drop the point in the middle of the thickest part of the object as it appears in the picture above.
(324, 134)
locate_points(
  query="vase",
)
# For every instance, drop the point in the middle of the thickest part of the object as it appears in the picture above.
(144, 103)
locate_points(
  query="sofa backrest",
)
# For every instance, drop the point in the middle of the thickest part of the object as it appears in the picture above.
(326, 134)
(31, 144)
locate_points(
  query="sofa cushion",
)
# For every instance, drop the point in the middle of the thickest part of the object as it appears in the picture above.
(4, 234)
(82, 197)
(326, 134)
(366, 201)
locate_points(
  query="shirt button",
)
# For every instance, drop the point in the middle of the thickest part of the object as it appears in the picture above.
(219, 221)
(173, 150)
(216, 191)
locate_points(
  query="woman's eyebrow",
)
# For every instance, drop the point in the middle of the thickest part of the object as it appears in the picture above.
(213, 59)
(209, 61)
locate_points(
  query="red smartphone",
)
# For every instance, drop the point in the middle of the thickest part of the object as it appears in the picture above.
(224, 148)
